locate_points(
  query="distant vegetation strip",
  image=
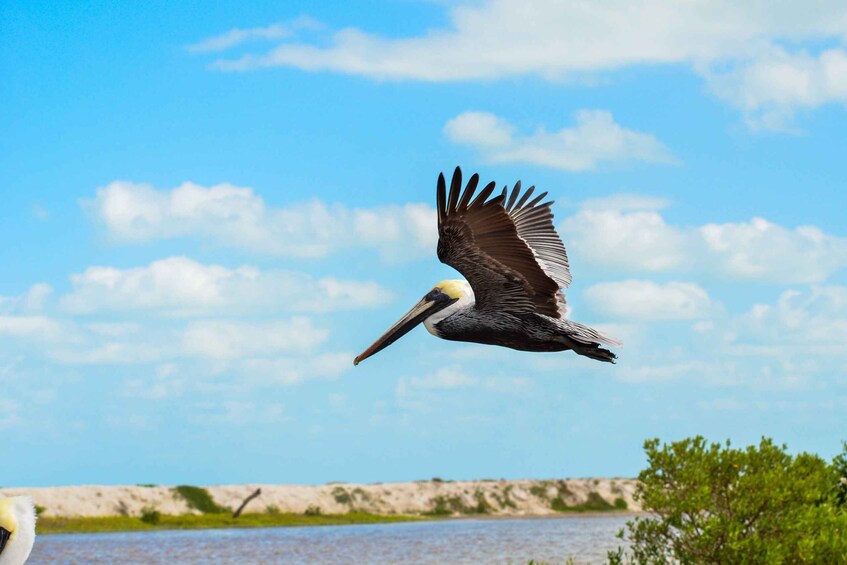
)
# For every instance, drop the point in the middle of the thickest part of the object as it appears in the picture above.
(199, 498)
(103, 524)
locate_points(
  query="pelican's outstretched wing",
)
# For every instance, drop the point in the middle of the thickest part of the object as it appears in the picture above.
(481, 240)
(534, 223)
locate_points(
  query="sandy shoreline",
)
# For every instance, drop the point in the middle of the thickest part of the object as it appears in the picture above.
(497, 498)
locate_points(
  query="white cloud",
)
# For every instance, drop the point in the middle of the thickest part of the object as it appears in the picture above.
(113, 329)
(238, 36)
(419, 393)
(166, 383)
(239, 412)
(8, 414)
(292, 370)
(444, 378)
(664, 372)
(794, 343)
(647, 300)
(134, 350)
(769, 88)
(736, 46)
(39, 328)
(759, 249)
(808, 322)
(552, 39)
(180, 286)
(595, 139)
(32, 301)
(641, 240)
(237, 217)
(637, 240)
(214, 339)
(258, 353)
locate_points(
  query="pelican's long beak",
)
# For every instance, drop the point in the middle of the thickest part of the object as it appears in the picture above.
(421, 311)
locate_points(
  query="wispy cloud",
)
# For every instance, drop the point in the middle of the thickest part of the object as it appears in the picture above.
(183, 287)
(30, 302)
(795, 342)
(237, 217)
(650, 301)
(420, 393)
(812, 320)
(237, 36)
(641, 240)
(770, 88)
(40, 328)
(736, 47)
(8, 415)
(219, 339)
(595, 139)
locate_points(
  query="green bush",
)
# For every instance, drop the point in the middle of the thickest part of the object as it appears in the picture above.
(313, 511)
(593, 503)
(711, 503)
(444, 506)
(199, 499)
(539, 491)
(150, 516)
(840, 466)
(482, 504)
(341, 495)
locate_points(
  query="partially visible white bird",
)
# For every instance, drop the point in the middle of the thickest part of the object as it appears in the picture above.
(17, 529)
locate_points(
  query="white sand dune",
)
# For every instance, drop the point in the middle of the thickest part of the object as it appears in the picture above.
(504, 498)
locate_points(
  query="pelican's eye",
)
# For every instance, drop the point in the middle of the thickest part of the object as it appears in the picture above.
(435, 295)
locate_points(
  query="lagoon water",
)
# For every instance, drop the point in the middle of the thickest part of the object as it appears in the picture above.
(515, 541)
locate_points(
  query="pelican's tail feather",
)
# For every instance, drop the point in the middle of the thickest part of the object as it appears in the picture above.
(594, 351)
(586, 341)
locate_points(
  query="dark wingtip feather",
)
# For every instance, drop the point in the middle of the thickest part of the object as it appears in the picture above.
(497, 200)
(455, 188)
(469, 191)
(537, 199)
(485, 193)
(514, 196)
(441, 197)
(525, 196)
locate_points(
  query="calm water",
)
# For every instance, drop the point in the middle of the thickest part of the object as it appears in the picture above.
(586, 539)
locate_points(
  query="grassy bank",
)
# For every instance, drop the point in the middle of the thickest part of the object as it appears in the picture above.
(101, 524)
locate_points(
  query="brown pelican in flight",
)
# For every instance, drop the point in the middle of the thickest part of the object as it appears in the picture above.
(515, 266)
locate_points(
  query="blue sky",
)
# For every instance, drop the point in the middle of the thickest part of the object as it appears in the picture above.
(208, 210)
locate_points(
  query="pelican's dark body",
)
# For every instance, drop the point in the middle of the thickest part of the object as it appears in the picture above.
(523, 331)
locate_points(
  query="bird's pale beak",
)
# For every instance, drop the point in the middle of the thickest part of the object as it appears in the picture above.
(420, 312)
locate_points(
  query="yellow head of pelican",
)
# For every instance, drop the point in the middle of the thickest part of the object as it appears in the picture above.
(17, 529)
(443, 300)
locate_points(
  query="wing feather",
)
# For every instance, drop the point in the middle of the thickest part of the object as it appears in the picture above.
(481, 240)
(534, 224)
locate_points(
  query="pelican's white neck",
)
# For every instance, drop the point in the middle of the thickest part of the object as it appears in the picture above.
(456, 288)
